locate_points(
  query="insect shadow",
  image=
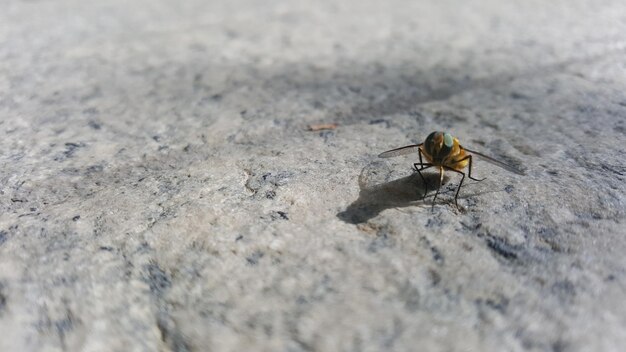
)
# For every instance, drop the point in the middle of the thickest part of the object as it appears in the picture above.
(378, 191)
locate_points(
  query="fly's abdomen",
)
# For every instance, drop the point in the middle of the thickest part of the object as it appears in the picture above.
(459, 161)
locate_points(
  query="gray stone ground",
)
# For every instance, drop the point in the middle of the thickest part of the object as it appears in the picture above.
(159, 189)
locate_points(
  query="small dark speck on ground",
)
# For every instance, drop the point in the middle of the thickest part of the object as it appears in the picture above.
(499, 304)
(94, 125)
(435, 277)
(516, 95)
(157, 279)
(76, 218)
(253, 259)
(279, 215)
(3, 237)
(327, 135)
(3, 299)
(94, 169)
(279, 179)
(437, 257)
(501, 247)
(564, 289)
(70, 149)
(434, 222)
(560, 346)
(380, 122)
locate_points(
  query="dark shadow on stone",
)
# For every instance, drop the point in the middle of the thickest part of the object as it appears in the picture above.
(398, 193)
(377, 92)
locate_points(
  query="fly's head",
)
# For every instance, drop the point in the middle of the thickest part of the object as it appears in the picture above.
(439, 145)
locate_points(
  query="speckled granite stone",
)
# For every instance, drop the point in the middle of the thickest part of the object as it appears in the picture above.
(159, 189)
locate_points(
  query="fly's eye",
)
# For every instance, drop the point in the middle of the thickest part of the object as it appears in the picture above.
(430, 138)
(446, 146)
(430, 141)
(448, 140)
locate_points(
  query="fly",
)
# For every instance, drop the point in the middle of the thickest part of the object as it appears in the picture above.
(443, 151)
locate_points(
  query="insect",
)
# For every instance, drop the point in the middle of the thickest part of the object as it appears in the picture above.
(442, 150)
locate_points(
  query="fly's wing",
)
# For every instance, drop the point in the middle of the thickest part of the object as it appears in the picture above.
(400, 151)
(499, 163)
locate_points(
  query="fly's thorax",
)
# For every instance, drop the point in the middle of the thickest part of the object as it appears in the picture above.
(439, 146)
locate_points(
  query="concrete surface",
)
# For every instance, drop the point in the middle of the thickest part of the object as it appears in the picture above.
(159, 189)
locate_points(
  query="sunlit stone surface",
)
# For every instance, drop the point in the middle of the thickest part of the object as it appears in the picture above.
(160, 189)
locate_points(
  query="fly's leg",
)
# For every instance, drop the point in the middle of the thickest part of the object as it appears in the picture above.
(470, 172)
(470, 169)
(419, 171)
(456, 196)
(419, 152)
(438, 188)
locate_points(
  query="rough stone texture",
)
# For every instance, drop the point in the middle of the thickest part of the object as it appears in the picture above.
(159, 189)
